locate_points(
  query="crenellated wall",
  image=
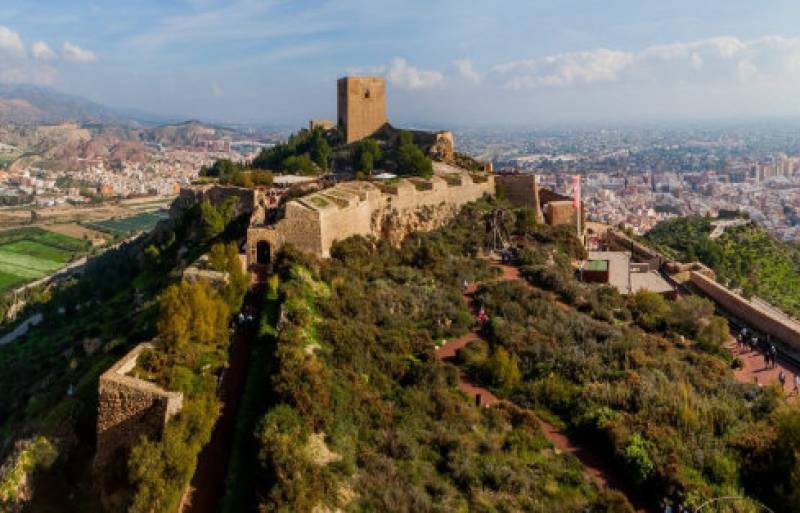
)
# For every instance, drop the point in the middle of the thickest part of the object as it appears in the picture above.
(314, 222)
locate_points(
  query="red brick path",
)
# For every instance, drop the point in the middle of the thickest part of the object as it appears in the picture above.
(754, 371)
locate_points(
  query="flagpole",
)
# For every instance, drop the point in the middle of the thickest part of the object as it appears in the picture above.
(576, 202)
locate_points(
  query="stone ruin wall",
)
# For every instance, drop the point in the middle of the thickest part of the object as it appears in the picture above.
(216, 194)
(782, 329)
(129, 408)
(404, 209)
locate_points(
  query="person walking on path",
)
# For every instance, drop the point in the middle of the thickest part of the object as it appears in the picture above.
(773, 354)
(782, 378)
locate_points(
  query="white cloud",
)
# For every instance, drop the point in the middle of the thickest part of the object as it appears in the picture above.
(567, 68)
(216, 90)
(42, 52)
(366, 70)
(713, 60)
(75, 53)
(11, 43)
(402, 75)
(466, 70)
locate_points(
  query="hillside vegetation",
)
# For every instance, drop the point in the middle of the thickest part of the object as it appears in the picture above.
(362, 416)
(747, 257)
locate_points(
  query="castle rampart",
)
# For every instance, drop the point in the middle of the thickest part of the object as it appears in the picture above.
(784, 329)
(129, 407)
(314, 222)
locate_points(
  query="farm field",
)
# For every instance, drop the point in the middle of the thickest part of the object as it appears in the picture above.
(76, 231)
(140, 222)
(28, 254)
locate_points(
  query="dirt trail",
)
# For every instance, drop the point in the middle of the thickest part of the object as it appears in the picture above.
(208, 483)
(596, 466)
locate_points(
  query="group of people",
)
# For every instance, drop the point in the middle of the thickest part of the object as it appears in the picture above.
(750, 342)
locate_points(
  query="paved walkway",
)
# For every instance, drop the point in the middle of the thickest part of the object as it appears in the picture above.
(596, 467)
(755, 372)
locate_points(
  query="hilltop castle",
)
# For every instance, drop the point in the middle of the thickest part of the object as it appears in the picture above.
(314, 222)
(391, 211)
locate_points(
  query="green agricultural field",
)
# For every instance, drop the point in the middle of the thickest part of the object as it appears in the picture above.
(28, 254)
(140, 222)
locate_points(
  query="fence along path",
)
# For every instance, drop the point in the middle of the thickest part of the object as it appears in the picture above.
(596, 467)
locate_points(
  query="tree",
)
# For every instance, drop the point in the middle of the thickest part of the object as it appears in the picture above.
(175, 317)
(366, 155)
(502, 369)
(412, 161)
(714, 333)
(320, 150)
(299, 164)
(242, 179)
(191, 313)
(650, 310)
(214, 219)
(222, 168)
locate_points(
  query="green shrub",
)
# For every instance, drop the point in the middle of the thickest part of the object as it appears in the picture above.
(638, 459)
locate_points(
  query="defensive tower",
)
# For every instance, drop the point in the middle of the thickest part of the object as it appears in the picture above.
(361, 105)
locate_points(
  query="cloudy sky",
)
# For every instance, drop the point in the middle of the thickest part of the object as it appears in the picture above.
(448, 62)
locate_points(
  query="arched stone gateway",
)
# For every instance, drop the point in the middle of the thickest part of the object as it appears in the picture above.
(263, 253)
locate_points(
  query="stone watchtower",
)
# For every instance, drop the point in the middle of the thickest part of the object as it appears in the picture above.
(361, 103)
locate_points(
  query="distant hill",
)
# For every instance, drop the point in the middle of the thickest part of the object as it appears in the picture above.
(189, 133)
(24, 104)
(745, 257)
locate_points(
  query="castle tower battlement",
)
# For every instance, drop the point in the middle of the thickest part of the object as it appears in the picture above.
(361, 106)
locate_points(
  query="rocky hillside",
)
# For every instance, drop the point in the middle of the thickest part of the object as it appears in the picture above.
(189, 133)
(34, 105)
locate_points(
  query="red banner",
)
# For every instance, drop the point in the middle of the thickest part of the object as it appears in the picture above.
(576, 191)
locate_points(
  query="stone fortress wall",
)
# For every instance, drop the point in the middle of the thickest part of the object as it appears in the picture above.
(768, 320)
(392, 211)
(129, 408)
(779, 326)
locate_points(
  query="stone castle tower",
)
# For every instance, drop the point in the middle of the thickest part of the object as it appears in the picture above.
(361, 104)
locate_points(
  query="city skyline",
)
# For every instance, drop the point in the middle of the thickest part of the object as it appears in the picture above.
(449, 63)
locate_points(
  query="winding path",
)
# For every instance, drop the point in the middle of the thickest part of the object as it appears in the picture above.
(596, 467)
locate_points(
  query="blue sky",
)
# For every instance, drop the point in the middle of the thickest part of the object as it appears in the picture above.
(448, 62)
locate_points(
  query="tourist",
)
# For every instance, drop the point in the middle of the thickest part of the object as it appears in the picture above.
(796, 383)
(782, 378)
(773, 354)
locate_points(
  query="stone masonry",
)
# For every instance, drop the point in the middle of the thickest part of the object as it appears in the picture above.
(361, 105)
(390, 211)
(129, 408)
